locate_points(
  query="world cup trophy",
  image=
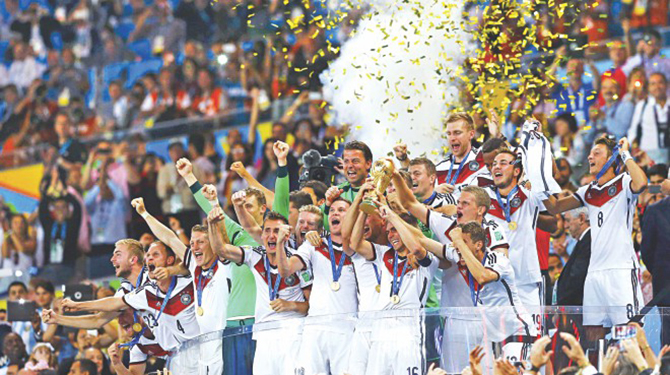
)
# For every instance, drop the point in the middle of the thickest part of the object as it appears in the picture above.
(381, 172)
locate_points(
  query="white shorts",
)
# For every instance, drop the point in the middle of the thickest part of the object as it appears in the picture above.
(402, 356)
(616, 292)
(458, 339)
(532, 298)
(359, 351)
(211, 358)
(276, 352)
(323, 351)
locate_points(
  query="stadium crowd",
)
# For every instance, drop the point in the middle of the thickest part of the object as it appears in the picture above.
(269, 232)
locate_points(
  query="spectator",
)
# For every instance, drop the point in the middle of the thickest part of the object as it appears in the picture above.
(157, 24)
(15, 350)
(174, 192)
(239, 159)
(106, 204)
(570, 143)
(114, 112)
(83, 367)
(570, 284)
(42, 358)
(555, 268)
(25, 68)
(70, 150)
(267, 171)
(36, 28)
(169, 101)
(563, 175)
(654, 252)
(578, 97)
(209, 100)
(60, 217)
(651, 121)
(196, 151)
(618, 55)
(648, 55)
(19, 245)
(615, 115)
(67, 79)
(96, 356)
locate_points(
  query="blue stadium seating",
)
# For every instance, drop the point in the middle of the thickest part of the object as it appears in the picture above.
(110, 73)
(124, 29)
(142, 48)
(138, 69)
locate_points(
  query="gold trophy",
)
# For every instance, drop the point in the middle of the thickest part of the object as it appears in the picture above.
(381, 172)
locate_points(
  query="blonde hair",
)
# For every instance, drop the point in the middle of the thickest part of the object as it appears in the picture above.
(135, 248)
(461, 116)
(314, 210)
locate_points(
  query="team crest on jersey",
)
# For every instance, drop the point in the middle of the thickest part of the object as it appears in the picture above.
(611, 191)
(498, 236)
(185, 299)
(516, 202)
(291, 280)
(473, 165)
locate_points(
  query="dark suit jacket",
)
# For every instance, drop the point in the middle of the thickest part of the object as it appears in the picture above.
(655, 247)
(570, 289)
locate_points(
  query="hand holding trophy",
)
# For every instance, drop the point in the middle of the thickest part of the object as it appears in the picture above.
(381, 173)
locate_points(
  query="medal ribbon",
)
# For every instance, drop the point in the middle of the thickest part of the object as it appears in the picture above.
(432, 196)
(273, 290)
(398, 282)
(612, 159)
(378, 274)
(173, 283)
(506, 207)
(199, 287)
(137, 335)
(458, 172)
(337, 271)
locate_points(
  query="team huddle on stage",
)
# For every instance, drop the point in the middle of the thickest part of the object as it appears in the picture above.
(340, 290)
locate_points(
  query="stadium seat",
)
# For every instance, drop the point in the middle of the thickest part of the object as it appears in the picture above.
(124, 29)
(138, 69)
(3, 49)
(142, 48)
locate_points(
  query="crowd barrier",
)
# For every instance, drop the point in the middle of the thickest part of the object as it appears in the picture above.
(415, 337)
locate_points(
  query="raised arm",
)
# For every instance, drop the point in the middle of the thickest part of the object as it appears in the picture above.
(353, 226)
(109, 304)
(253, 118)
(400, 151)
(282, 183)
(163, 233)
(93, 321)
(246, 220)
(219, 238)
(481, 274)
(557, 205)
(285, 265)
(238, 168)
(409, 201)
(639, 178)
(409, 238)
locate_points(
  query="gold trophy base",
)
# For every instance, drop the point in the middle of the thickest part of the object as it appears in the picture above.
(368, 206)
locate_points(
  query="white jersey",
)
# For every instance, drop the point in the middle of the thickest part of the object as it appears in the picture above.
(215, 286)
(473, 168)
(323, 299)
(524, 209)
(177, 323)
(611, 210)
(504, 314)
(290, 288)
(366, 276)
(414, 285)
(146, 348)
(454, 278)
(438, 200)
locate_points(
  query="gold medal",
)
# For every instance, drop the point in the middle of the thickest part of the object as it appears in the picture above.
(395, 299)
(512, 225)
(335, 286)
(378, 288)
(137, 327)
(200, 311)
